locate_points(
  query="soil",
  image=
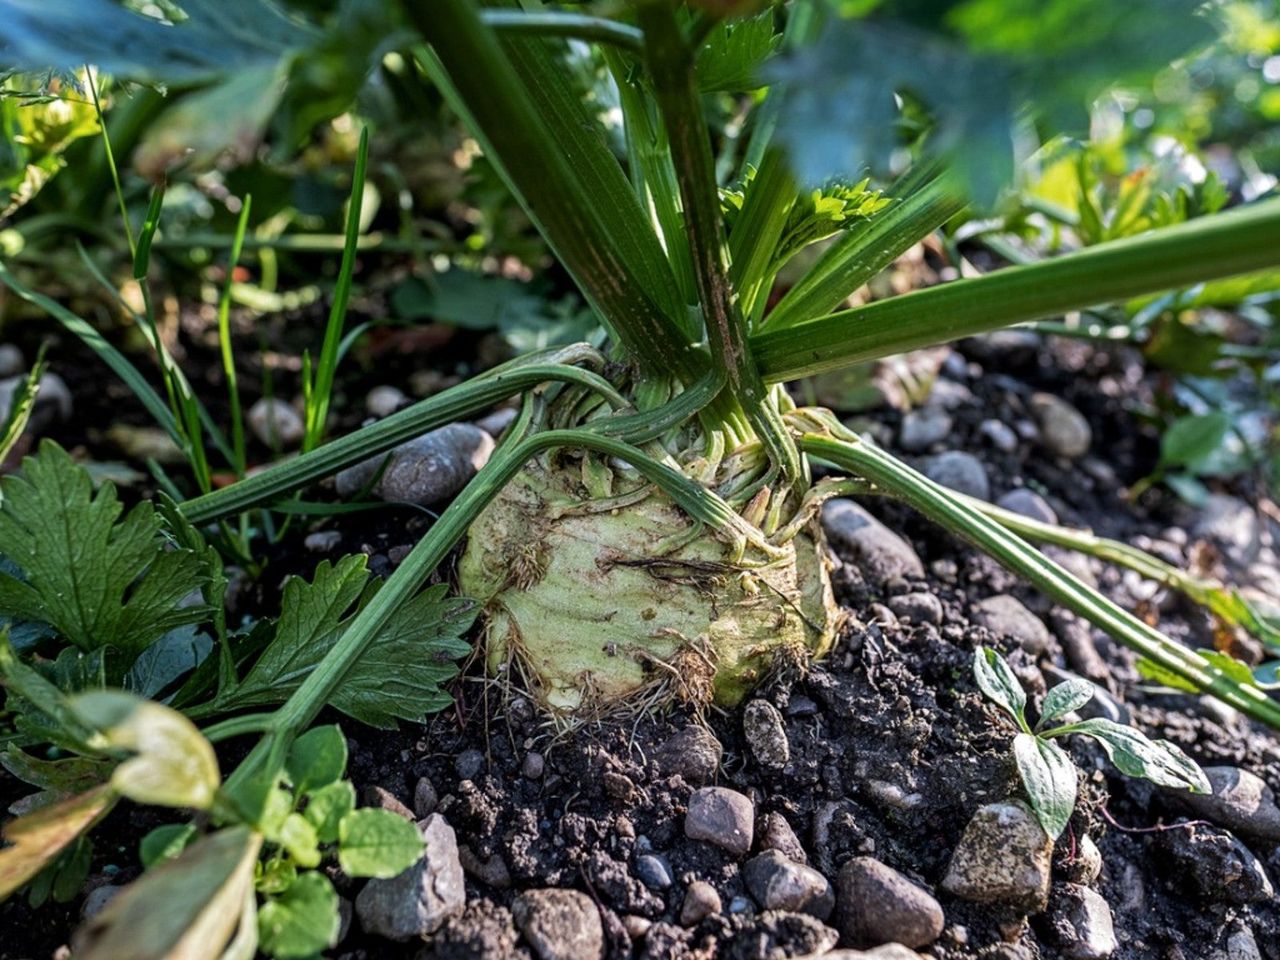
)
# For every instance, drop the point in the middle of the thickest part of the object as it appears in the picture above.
(891, 747)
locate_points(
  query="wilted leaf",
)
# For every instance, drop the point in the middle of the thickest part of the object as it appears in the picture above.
(172, 765)
(377, 843)
(302, 921)
(40, 837)
(996, 680)
(1135, 755)
(1067, 696)
(1050, 778)
(186, 908)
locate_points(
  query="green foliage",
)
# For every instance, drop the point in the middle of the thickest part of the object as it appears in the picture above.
(102, 582)
(1047, 773)
(302, 921)
(38, 122)
(377, 843)
(733, 54)
(972, 67)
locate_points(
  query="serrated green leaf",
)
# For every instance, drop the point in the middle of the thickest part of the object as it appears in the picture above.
(1067, 696)
(1136, 755)
(317, 759)
(327, 806)
(298, 836)
(735, 51)
(172, 765)
(1049, 777)
(1191, 441)
(165, 843)
(302, 921)
(99, 580)
(377, 843)
(996, 680)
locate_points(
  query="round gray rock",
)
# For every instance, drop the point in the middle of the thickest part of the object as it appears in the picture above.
(692, 753)
(1063, 430)
(700, 901)
(1080, 921)
(921, 429)
(1240, 801)
(918, 607)
(879, 552)
(721, 816)
(1029, 504)
(959, 471)
(766, 734)
(559, 924)
(1006, 616)
(275, 423)
(876, 904)
(778, 883)
(418, 901)
(1003, 857)
(425, 470)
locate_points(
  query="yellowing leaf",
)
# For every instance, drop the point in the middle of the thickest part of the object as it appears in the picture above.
(39, 837)
(185, 909)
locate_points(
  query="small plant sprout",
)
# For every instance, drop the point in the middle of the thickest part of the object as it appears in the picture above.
(1047, 772)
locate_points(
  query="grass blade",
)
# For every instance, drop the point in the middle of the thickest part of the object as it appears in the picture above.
(224, 342)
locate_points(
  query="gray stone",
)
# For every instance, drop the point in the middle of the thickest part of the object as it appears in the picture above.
(887, 951)
(1240, 801)
(469, 764)
(12, 362)
(1080, 921)
(559, 924)
(275, 423)
(959, 471)
(384, 401)
(919, 607)
(145, 443)
(1000, 434)
(721, 816)
(876, 904)
(1232, 526)
(418, 901)
(425, 798)
(1221, 868)
(1239, 944)
(778, 883)
(533, 766)
(96, 900)
(1005, 616)
(1003, 857)
(492, 870)
(692, 753)
(494, 423)
(1028, 503)
(1086, 865)
(1063, 430)
(766, 735)
(700, 901)
(778, 835)
(425, 470)
(653, 872)
(880, 553)
(323, 541)
(921, 429)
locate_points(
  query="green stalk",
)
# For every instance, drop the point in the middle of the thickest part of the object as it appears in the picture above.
(1240, 241)
(671, 68)
(946, 509)
(111, 159)
(753, 241)
(321, 387)
(556, 23)
(224, 343)
(538, 134)
(864, 250)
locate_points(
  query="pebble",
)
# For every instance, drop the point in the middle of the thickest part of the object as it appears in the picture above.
(323, 541)
(425, 798)
(692, 753)
(721, 816)
(96, 900)
(12, 361)
(1080, 921)
(1231, 525)
(1240, 944)
(469, 764)
(384, 401)
(959, 471)
(275, 423)
(1240, 801)
(765, 734)
(921, 429)
(1000, 434)
(653, 872)
(1006, 616)
(419, 901)
(534, 765)
(425, 470)
(1063, 430)
(779, 883)
(384, 799)
(1028, 503)
(887, 951)
(700, 901)
(559, 924)
(876, 904)
(494, 423)
(1086, 866)
(778, 835)
(1220, 867)
(145, 443)
(1003, 857)
(53, 401)
(919, 607)
(879, 552)
(492, 870)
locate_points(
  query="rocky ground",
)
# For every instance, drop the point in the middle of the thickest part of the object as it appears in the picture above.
(867, 807)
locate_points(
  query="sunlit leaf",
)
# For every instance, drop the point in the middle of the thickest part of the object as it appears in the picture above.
(377, 843)
(1050, 779)
(996, 680)
(1067, 696)
(1136, 755)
